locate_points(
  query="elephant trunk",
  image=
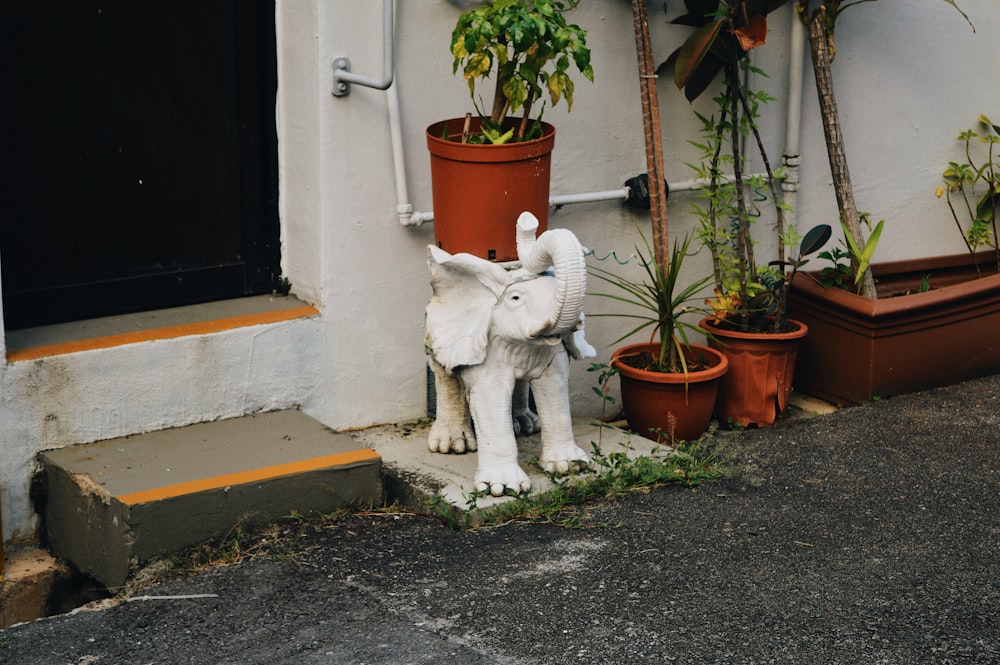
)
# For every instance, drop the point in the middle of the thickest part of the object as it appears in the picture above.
(559, 249)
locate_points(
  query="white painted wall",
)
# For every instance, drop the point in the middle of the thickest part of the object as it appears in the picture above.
(906, 86)
(907, 83)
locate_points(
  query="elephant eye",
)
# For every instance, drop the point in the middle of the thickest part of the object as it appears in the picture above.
(515, 297)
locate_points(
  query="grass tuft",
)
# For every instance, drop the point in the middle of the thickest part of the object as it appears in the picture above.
(611, 475)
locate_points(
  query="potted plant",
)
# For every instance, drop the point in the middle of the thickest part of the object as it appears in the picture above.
(914, 324)
(750, 324)
(668, 385)
(936, 319)
(486, 170)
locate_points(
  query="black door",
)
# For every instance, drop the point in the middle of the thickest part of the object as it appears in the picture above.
(141, 156)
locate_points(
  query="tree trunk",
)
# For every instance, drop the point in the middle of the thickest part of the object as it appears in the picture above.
(821, 59)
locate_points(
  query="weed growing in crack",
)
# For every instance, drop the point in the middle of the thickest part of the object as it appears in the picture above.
(611, 475)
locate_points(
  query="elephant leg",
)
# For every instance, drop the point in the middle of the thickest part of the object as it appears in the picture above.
(560, 454)
(452, 429)
(490, 399)
(525, 420)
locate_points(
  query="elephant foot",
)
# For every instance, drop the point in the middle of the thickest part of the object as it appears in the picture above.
(498, 480)
(564, 459)
(525, 422)
(445, 439)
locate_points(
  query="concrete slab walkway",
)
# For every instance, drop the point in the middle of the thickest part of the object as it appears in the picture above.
(414, 474)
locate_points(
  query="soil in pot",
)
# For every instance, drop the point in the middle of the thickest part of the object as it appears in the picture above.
(756, 389)
(664, 406)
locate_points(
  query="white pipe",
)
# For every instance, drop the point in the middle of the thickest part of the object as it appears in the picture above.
(398, 166)
(589, 197)
(404, 209)
(408, 217)
(796, 47)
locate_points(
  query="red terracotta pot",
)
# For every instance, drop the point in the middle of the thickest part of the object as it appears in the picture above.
(480, 190)
(860, 349)
(658, 403)
(761, 368)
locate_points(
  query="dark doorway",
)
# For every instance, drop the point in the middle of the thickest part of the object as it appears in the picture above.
(141, 156)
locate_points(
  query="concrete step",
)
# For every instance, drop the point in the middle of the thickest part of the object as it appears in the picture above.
(113, 505)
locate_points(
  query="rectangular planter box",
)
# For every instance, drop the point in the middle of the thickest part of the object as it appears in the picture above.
(859, 349)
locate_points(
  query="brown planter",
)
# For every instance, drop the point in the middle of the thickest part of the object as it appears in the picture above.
(860, 349)
(761, 367)
(658, 403)
(479, 190)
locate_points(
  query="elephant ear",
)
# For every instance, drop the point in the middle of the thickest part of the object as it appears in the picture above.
(459, 313)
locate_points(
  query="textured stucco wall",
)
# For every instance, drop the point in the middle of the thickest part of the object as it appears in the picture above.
(909, 77)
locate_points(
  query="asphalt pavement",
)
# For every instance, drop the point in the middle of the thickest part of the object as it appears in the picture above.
(869, 535)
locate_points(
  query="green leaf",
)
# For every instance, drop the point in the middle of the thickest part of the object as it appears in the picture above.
(560, 85)
(478, 65)
(986, 207)
(863, 257)
(516, 93)
(814, 239)
(986, 121)
(870, 244)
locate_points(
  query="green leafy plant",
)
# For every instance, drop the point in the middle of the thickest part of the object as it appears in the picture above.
(838, 274)
(861, 256)
(842, 273)
(961, 180)
(603, 388)
(527, 47)
(660, 302)
(748, 297)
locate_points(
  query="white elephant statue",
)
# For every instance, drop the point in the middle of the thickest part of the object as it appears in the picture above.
(491, 333)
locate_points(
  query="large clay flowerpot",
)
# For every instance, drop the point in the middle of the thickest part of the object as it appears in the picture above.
(479, 190)
(859, 349)
(761, 368)
(657, 403)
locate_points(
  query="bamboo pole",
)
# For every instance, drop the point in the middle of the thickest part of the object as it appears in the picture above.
(651, 128)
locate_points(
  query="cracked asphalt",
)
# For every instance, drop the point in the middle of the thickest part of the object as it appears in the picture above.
(869, 535)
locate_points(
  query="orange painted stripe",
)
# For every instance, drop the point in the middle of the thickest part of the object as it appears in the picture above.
(168, 332)
(244, 477)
